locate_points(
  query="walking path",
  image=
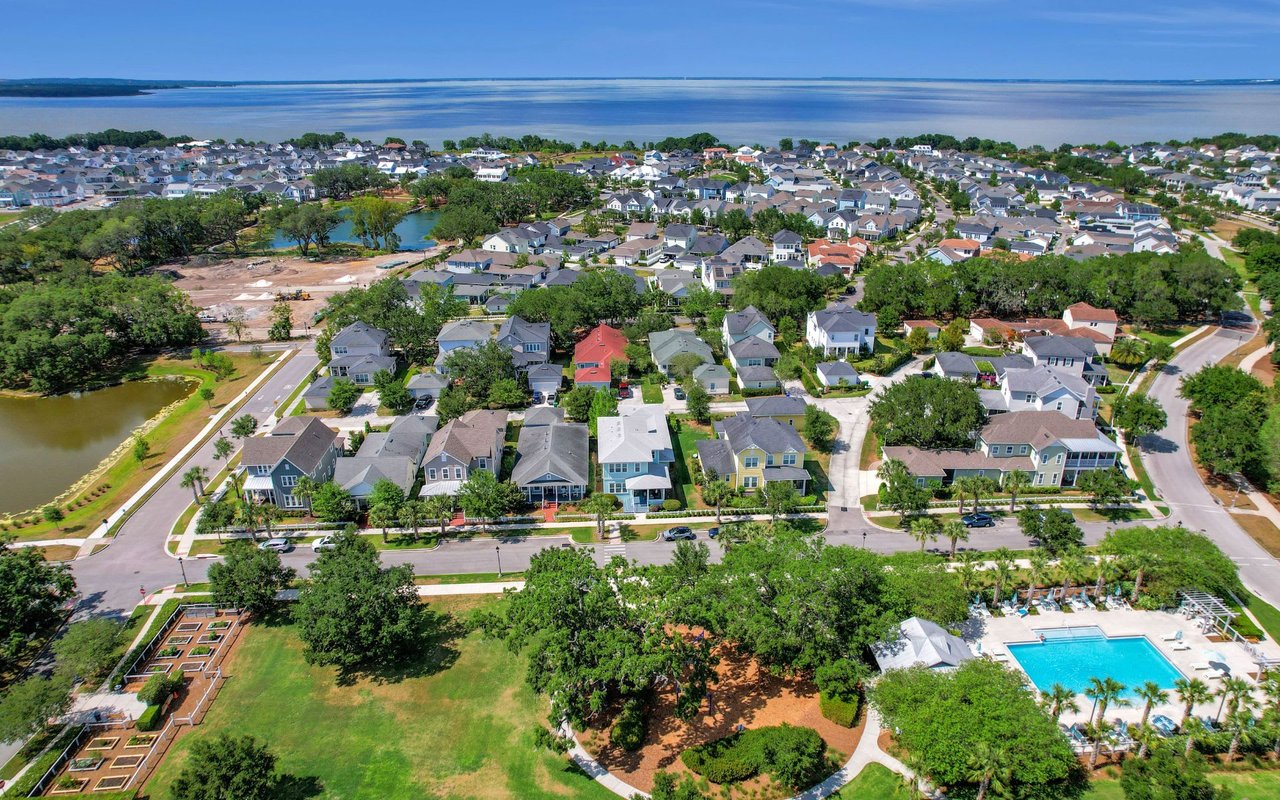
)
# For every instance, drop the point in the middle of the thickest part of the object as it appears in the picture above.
(164, 473)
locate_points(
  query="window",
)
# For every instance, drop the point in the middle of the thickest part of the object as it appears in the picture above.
(431, 474)
(261, 469)
(788, 459)
(768, 460)
(533, 347)
(483, 463)
(1022, 449)
(751, 462)
(750, 482)
(1059, 459)
(339, 349)
(288, 480)
(616, 488)
(457, 473)
(1008, 450)
(293, 501)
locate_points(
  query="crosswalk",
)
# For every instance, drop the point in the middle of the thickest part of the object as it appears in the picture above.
(611, 550)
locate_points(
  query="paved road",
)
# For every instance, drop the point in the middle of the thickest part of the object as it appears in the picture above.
(1168, 461)
(109, 581)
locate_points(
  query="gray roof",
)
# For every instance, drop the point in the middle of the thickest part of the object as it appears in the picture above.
(303, 441)
(406, 437)
(352, 472)
(921, 643)
(543, 415)
(665, 345)
(785, 236)
(560, 450)
(768, 434)
(473, 435)
(427, 380)
(741, 322)
(716, 456)
(320, 387)
(834, 371)
(361, 335)
(840, 317)
(776, 406)
(757, 374)
(708, 372)
(1061, 346)
(753, 347)
(371, 363)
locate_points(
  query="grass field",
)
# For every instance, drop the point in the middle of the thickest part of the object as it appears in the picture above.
(686, 451)
(456, 724)
(1260, 785)
(875, 782)
(1267, 614)
(651, 393)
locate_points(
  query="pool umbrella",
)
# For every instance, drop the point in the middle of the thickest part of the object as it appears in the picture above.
(1213, 656)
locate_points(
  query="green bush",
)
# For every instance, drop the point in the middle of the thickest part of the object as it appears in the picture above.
(1107, 389)
(840, 711)
(671, 504)
(155, 690)
(793, 756)
(630, 727)
(546, 739)
(766, 392)
(149, 720)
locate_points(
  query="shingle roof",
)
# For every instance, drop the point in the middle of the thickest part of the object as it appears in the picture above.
(741, 322)
(358, 333)
(473, 435)
(777, 406)
(303, 441)
(753, 347)
(838, 317)
(743, 431)
(560, 449)
(665, 345)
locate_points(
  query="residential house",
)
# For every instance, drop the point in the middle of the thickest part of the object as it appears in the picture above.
(836, 374)
(1042, 388)
(316, 396)
(635, 455)
(553, 462)
(545, 379)
(426, 386)
(785, 409)
(752, 352)
(392, 455)
(466, 444)
(298, 447)
(666, 346)
(744, 324)
(714, 378)
(788, 246)
(358, 352)
(932, 329)
(749, 452)
(1054, 449)
(600, 347)
(840, 330)
(529, 342)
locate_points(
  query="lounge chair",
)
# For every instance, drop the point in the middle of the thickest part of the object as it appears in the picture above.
(1176, 636)
(1201, 665)
(1163, 725)
(1179, 646)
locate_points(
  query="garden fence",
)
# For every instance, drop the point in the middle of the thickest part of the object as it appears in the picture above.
(63, 757)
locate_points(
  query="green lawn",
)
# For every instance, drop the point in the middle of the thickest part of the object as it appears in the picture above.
(1267, 615)
(651, 393)
(1169, 335)
(686, 448)
(1259, 785)
(875, 782)
(457, 724)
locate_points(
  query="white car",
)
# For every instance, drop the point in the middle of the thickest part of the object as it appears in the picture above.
(278, 544)
(323, 543)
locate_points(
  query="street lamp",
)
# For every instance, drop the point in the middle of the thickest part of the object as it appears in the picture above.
(183, 567)
(498, 549)
(864, 540)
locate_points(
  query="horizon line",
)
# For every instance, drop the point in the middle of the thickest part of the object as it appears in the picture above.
(313, 81)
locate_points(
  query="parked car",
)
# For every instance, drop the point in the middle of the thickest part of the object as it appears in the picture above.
(713, 532)
(537, 398)
(978, 520)
(679, 393)
(926, 374)
(422, 403)
(278, 544)
(323, 543)
(678, 532)
(624, 392)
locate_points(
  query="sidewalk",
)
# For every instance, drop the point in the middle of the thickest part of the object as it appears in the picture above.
(181, 456)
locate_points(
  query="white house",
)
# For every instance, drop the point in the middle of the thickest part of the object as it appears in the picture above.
(840, 330)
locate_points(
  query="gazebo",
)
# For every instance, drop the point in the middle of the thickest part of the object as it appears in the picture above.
(922, 643)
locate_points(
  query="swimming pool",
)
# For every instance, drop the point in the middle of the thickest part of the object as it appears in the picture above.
(1071, 656)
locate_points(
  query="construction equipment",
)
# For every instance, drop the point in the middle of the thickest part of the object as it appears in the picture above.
(295, 294)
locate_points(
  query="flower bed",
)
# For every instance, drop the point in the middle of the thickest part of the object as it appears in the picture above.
(140, 740)
(169, 652)
(201, 650)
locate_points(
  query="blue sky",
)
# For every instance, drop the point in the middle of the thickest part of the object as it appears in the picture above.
(327, 39)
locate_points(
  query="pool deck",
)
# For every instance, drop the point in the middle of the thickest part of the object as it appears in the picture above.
(995, 633)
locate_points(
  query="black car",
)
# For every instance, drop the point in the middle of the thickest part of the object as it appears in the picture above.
(713, 532)
(678, 532)
(678, 392)
(978, 520)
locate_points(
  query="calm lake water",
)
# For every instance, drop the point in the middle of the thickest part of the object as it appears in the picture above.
(413, 230)
(747, 111)
(49, 443)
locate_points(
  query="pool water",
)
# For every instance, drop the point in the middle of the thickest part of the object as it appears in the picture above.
(1072, 656)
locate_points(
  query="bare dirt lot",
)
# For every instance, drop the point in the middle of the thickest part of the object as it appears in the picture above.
(252, 282)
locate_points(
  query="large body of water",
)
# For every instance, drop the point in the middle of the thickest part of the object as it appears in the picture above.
(412, 230)
(738, 111)
(49, 443)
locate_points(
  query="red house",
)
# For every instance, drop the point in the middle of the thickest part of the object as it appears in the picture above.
(599, 347)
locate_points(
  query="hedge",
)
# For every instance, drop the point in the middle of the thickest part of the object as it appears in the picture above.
(840, 711)
(766, 392)
(794, 756)
(23, 785)
(149, 719)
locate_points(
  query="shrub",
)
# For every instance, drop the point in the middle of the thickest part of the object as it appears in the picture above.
(149, 720)
(630, 727)
(670, 504)
(154, 691)
(838, 710)
(729, 769)
(549, 740)
(1107, 389)
(794, 756)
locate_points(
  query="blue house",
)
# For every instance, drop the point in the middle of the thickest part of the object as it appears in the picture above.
(636, 455)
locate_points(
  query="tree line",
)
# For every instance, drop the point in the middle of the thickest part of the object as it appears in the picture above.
(1151, 290)
(110, 137)
(474, 208)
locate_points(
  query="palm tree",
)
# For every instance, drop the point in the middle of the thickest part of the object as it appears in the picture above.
(1039, 572)
(1106, 569)
(716, 493)
(1128, 350)
(1060, 700)
(439, 507)
(1099, 733)
(269, 513)
(1194, 729)
(1139, 563)
(1014, 482)
(601, 505)
(1003, 572)
(1104, 692)
(412, 513)
(970, 484)
(956, 532)
(1233, 692)
(1150, 693)
(1240, 722)
(1070, 564)
(923, 529)
(193, 479)
(1191, 692)
(305, 488)
(1146, 736)
(991, 768)
(247, 516)
(968, 570)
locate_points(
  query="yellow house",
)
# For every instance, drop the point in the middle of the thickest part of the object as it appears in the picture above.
(749, 452)
(787, 410)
